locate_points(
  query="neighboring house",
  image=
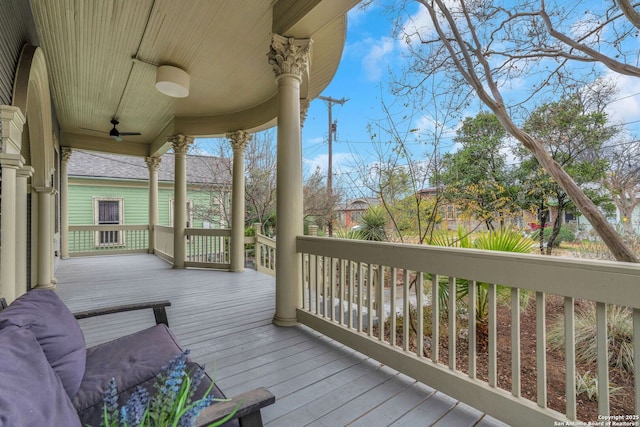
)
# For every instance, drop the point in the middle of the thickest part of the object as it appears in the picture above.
(452, 216)
(349, 215)
(114, 189)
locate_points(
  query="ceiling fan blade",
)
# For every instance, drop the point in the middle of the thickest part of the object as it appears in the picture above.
(130, 133)
(95, 130)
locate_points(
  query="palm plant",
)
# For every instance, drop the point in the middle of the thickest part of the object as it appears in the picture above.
(499, 240)
(372, 224)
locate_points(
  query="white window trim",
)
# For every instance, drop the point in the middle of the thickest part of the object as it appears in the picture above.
(96, 220)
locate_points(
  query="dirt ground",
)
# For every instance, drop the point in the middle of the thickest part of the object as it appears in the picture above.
(621, 401)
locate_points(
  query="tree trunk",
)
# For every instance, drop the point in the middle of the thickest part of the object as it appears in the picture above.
(542, 217)
(607, 233)
(556, 230)
(625, 207)
(489, 94)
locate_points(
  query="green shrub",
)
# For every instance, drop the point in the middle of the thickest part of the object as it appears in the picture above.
(620, 336)
(372, 224)
(588, 384)
(565, 235)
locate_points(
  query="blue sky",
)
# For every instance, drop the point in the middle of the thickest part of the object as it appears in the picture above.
(369, 53)
(362, 77)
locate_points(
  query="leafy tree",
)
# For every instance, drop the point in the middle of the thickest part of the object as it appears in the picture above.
(485, 47)
(408, 213)
(572, 136)
(476, 176)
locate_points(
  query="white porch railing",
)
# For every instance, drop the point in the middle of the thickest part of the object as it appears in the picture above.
(348, 295)
(208, 248)
(265, 254)
(86, 240)
(163, 242)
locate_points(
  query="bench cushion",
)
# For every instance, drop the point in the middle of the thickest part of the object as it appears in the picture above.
(31, 393)
(56, 330)
(131, 360)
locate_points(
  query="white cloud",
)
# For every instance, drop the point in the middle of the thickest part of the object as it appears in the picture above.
(380, 54)
(626, 106)
(417, 26)
(321, 161)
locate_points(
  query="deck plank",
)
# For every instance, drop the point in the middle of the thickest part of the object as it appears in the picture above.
(225, 319)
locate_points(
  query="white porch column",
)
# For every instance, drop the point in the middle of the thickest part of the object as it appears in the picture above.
(289, 58)
(45, 238)
(180, 145)
(154, 164)
(239, 140)
(64, 202)
(10, 165)
(22, 189)
(10, 160)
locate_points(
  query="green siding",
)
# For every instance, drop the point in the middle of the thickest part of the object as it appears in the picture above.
(135, 195)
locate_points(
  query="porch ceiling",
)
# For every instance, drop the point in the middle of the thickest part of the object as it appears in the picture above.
(223, 45)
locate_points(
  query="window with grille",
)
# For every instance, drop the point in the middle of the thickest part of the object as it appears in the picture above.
(108, 212)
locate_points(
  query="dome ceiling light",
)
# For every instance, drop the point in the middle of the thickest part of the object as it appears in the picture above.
(172, 81)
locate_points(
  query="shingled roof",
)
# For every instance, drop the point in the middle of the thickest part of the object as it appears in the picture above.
(200, 169)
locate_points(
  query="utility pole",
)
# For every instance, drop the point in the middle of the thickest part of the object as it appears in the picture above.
(332, 130)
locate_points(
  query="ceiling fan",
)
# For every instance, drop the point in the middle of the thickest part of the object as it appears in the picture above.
(115, 133)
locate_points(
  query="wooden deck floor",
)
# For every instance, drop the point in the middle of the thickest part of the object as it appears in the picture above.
(225, 320)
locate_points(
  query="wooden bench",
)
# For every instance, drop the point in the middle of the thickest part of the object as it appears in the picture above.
(247, 405)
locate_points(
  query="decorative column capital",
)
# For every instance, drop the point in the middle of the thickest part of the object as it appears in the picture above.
(289, 55)
(45, 190)
(13, 161)
(65, 154)
(12, 123)
(153, 163)
(180, 143)
(26, 171)
(239, 139)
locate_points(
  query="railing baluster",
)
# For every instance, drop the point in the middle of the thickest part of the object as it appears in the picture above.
(370, 283)
(435, 318)
(541, 350)
(380, 303)
(452, 322)
(352, 279)
(420, 313)
(306, 279)
(360, 294)
(493, 336)
(636, 359)
(324, 287)
(570, 357)
(603, 359)
(406, 310)
(472, 302)
(332, 285)
(343, 286)
(392, 311)
(515, 342)
(316, 281)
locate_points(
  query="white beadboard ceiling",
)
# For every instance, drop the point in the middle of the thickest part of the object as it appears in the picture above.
(222, 44)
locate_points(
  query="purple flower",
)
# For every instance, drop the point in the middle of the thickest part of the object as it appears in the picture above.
(111, 396)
